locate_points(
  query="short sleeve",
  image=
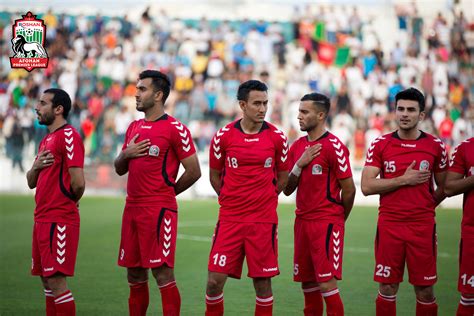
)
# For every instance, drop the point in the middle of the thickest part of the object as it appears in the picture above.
(292, 155)
(281, 148)
(74, 148)
(441, 163)
(340, 164)
(181, 140)
(217, 149)
(374, 154)
(458, 162)
(128, 135)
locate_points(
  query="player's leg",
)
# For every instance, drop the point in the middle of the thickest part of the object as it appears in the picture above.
(215, 293)
(264, 296)
(425, 301)
(466, 305)
(139, 298)
(129, 257)
(63, 299)
(261, 250)
(313, 301)
(170, 298)
(225, 259)
(421, 264)
(327, 244)
(389, 265)
(466, 276)
(37, 269)
(303, 269)
(48, 293)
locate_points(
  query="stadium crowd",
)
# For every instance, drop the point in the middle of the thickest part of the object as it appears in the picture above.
(97, 59)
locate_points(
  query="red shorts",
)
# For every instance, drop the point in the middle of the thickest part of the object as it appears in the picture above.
(466, 265)
(54, 248)
(415, 244)
(233, 241)
(318, 251)
(148, 237)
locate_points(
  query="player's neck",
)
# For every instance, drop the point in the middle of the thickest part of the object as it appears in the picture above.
(154, 113)
(316, 133)
(411, 134)
(250, 127)
(56, 124)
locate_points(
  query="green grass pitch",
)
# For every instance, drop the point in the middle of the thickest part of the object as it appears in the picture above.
(100, 286)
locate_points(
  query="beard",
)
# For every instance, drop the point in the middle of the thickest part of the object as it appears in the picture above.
(46, 119)
(144, 105)
(307, 128)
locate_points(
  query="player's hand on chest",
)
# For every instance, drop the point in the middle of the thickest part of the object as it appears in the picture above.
(396, 165)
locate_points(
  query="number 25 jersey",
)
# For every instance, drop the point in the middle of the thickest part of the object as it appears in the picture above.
(393, 155)
(249, 164)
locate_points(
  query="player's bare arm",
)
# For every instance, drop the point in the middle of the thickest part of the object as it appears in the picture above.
(456, 183)
(371, 185)
(215, 179)
(282, 180)
(440, 180)
(348, 191)
(78, 184)
(293, 178)
(133, 150)
(192, 172)
(44, 159)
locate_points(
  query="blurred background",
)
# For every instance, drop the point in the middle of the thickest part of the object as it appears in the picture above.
(360, 53)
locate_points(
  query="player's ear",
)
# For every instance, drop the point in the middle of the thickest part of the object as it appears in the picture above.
(159, 96)
(422, 116)
(242, 104)
(58, 110)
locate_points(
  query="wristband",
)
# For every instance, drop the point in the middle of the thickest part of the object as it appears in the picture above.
(296, 170)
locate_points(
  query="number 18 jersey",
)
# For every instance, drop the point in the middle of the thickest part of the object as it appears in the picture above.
(249, 164)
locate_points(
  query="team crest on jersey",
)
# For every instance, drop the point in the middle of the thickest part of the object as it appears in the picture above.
(268, 162)
(424, 165)
(154, 151)
(28, 35)
(317, 169)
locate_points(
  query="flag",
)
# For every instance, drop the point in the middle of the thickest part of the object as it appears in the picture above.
(319, 31)
(342, 56)
(326, 53)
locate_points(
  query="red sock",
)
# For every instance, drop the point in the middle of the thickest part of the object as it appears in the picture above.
(170, 299)
(386, 305)
(313, 302)
(426, 308)
(50, 307)
(64, 304)
(215, 305)
(334, 306)
(466, 306)
(138, 299)
(264, 306)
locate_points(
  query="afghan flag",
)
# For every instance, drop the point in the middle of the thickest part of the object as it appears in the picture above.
(342, 56)
(319, 31)
(326, 53)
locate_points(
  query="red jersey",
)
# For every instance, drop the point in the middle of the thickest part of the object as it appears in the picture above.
(151, 178)
(249, 165)
(463, 162)
(54, 199)
(319, 193)
(407, 204)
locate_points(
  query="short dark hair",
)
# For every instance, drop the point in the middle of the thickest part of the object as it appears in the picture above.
(411, 94)
(160, 81)
(250, 85)
(319, 100)
(60, 97)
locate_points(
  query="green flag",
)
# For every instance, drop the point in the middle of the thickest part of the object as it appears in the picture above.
(342, 56)
(319, 31)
